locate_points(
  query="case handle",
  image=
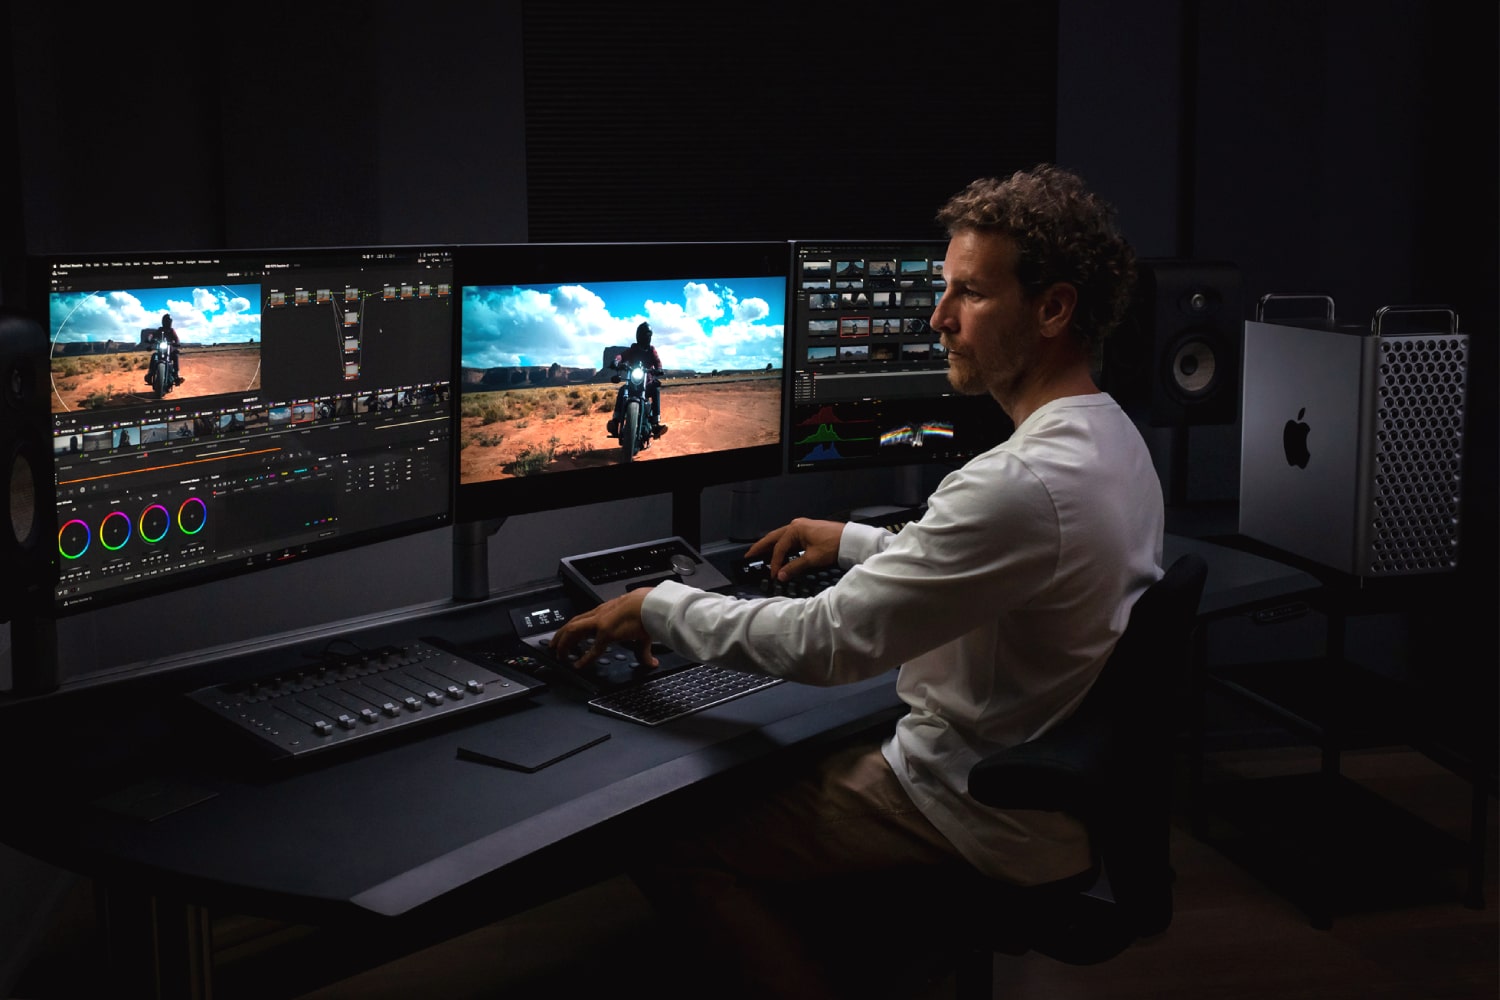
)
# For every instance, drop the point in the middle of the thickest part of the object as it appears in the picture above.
(1381, 313)
(1269, 297)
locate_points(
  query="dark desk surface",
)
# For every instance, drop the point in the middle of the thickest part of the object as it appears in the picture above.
(399, 830)
(383, 832)
(1239, 580)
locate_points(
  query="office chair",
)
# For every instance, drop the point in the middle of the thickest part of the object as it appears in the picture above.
(1110, 765)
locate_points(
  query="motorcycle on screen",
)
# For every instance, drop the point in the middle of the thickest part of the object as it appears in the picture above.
(162, 379)
(636, 416)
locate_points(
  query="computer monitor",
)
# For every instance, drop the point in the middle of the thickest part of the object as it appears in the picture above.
(869, 383)
(541, 324)
(309, 411)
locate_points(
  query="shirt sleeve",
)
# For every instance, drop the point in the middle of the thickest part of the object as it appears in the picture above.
(987, 543)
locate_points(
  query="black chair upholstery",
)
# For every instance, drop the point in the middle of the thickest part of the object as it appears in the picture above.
(1110, 765)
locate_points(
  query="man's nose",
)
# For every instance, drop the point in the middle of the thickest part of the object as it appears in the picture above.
(939, 320)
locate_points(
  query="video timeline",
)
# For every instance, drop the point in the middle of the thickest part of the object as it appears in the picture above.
(242, 487)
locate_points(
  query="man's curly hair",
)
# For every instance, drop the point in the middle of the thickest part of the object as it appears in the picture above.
(1064, 232)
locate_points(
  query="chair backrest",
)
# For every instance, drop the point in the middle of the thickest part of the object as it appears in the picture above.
(1110, 763)
(1138, 696)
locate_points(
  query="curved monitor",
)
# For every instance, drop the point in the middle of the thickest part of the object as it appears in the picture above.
(301, 405)
(540, 326)
(869, 375)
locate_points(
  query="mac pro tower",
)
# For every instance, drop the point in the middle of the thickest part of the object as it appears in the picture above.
(1352, 440)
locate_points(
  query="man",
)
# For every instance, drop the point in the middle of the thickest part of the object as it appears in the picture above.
(999, 606)
(643, 352)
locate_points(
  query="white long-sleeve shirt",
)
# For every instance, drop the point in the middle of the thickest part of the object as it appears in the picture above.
(999, 606)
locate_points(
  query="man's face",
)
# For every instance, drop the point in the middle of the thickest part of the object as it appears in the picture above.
(991, 334)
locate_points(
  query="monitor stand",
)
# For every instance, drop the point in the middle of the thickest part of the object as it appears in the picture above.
(471, 558)
(1177, 465)
(907, 495)
(687, 514)
(471, 543)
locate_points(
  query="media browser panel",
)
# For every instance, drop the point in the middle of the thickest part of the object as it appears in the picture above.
(869, 382)
(217, 412)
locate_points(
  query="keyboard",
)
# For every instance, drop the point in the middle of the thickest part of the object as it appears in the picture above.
(337, 699)
(682, 692)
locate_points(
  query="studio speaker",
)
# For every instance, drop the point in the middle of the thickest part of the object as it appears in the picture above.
(1175, 358)
(26, 540)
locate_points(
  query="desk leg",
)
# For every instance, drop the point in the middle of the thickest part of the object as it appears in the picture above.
(1331, 758)
(1479, 824)
(156, 947)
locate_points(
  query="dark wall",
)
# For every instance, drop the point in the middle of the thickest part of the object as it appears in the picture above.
(299, 124)
(799, 121)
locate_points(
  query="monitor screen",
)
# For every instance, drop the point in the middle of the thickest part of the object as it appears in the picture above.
(548, 332)
(215, 412)
(869, 383)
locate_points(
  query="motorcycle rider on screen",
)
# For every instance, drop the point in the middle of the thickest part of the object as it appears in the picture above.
(171, 335)
(643, 352)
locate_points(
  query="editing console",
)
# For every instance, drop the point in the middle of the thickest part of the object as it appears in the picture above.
(609, 573)
(343, 698)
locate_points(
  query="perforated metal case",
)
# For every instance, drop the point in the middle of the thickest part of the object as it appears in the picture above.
(1411, 522)
(1376, 491)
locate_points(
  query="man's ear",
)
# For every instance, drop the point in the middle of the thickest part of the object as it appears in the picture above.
(1055, 308)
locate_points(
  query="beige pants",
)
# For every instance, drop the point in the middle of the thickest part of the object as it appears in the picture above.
(784, 892)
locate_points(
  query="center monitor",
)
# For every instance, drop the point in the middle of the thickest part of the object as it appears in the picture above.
(548, 332)
(869, 374)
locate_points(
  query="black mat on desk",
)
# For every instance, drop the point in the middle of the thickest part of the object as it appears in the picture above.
(529, 741)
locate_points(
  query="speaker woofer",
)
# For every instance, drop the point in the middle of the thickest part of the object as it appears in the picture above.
(23, 510)
(1194, 369)
(26, 550)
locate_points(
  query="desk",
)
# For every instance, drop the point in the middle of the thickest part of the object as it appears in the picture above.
(399, 846)
(405, 845)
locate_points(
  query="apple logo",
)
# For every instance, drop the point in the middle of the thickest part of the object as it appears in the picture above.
(1294, 441)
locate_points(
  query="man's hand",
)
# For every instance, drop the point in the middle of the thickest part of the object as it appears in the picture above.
(617, 620)
(818, 541)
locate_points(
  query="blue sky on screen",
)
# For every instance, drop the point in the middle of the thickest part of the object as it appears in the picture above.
(200, 315)
(707, 325)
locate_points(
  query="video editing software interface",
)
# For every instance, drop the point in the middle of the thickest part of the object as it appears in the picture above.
(541, 326)
(869, 384)
(313, 410)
